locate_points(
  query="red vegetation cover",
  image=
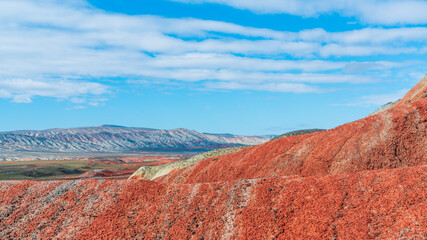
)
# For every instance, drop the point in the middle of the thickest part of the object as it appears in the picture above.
(362, 180)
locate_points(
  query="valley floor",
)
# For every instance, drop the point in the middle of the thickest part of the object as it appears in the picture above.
(105, 166)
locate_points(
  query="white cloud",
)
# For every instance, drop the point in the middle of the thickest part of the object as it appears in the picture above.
(50, 39)
(380, 99)
(5, 94)
(229, 61)
(387, 12)
(378, 35)
(271, 87)
(23, 90)
(393, 12)
(64, 27)
(366, 66)
(340, 50)
(194, 75)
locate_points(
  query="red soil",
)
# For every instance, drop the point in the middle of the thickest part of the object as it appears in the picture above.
(362, 180)
(391, 139)
(383, 204)
(416, 93)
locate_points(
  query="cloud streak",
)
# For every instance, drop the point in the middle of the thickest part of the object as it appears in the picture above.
(378, 99)
(43, 41)
(387, 12)
(22, 90)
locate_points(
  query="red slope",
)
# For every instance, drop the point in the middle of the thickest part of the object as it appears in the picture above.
(392, 139)
(386, 204)
(416, 93)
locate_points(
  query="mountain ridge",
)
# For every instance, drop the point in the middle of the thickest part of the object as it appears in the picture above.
(119, 138)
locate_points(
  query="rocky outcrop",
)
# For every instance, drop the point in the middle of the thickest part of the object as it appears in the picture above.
(115, 138)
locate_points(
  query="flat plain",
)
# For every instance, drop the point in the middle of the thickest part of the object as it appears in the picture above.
(91, 167)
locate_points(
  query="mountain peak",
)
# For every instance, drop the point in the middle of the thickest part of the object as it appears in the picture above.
(416, 93)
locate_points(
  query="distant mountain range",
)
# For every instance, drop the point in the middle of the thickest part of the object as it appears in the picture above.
(113, 138)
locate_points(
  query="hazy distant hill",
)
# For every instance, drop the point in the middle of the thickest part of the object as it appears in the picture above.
(117, 138)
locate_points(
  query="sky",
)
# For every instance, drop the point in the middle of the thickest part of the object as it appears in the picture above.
(245, 67)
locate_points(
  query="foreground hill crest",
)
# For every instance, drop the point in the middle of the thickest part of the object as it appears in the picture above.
(391, 139)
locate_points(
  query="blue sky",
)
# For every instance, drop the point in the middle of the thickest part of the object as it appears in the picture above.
(236, 66)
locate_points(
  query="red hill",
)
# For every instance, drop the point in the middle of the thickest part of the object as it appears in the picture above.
(383, 204)
(362, 180)
(391, 139)
(416, 93)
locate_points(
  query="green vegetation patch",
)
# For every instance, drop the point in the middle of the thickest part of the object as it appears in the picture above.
(52, 170)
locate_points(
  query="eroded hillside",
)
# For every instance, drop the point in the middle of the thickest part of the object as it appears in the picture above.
(362, 180)
(384, 204)
(391, 139)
